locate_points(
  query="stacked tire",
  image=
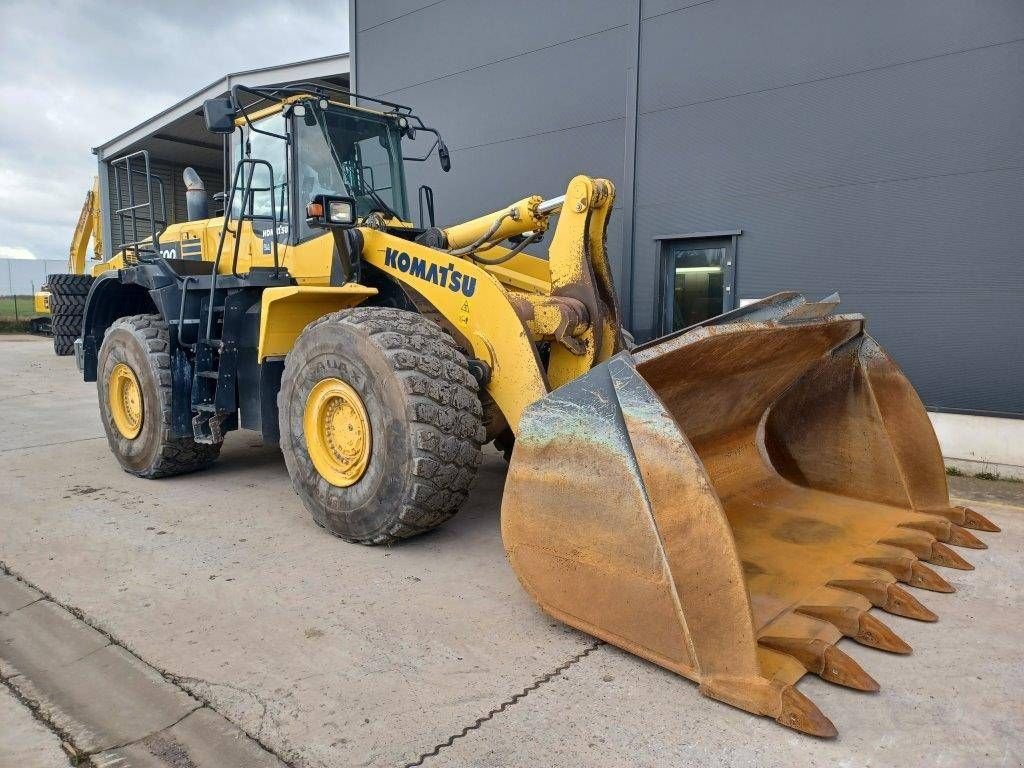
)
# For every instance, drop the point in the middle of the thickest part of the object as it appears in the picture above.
(67, 306)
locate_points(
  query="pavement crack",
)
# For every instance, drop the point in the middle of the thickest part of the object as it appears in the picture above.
(184, 682)
(24, 394)
(49, 445)
(509, 702)
(22, 608)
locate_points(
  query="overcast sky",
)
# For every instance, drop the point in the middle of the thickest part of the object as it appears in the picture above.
(75, 74)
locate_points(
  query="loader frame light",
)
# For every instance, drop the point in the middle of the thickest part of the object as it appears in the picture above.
(327, 211)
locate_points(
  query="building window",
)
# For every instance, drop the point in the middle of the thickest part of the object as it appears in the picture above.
(698, 277)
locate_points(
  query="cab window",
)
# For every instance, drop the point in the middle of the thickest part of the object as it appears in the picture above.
(350, 155)
(275, 151)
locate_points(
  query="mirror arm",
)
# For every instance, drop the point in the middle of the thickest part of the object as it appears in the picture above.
(235, 90)
(429, 151)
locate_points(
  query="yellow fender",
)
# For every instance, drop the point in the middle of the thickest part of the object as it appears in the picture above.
(284, 312)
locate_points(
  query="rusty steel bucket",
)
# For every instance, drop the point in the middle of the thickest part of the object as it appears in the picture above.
(730, 500)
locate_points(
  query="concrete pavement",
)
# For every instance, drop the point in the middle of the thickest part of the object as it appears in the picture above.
(24, 741)
(333, 655)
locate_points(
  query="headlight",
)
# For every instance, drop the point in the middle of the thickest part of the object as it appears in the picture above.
(341, 212)
(331, 211)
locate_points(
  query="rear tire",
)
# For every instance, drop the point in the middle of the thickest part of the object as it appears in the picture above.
(424, 416)
(142, 343)
(68, 293)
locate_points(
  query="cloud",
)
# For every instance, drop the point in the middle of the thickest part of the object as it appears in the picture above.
(75, 74)
(7, 252)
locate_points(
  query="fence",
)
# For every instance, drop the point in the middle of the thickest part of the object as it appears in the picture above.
(19, 279)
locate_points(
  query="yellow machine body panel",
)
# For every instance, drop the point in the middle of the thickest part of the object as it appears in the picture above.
(285, 312)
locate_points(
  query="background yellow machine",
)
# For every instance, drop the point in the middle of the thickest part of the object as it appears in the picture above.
(727, 501)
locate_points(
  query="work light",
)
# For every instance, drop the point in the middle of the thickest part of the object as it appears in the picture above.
(331, 211)
(341, 212)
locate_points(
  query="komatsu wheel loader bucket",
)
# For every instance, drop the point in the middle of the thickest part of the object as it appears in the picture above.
(731, 500)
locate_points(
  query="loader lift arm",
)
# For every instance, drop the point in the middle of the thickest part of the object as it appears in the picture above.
(504, 306)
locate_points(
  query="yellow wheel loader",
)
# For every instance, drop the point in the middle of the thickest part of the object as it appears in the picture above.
(728, 501)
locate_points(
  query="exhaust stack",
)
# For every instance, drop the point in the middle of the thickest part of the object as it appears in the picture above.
(196, 202)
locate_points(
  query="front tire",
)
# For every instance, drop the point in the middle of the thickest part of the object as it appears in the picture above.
(389, 395)
(134, 386)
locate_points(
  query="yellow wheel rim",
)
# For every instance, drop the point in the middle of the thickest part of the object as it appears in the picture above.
(125, 397)
(337, 432)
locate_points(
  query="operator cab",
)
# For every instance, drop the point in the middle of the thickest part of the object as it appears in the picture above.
(336, 152)
(307, 149)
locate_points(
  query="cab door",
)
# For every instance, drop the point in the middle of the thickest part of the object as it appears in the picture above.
(261, 206)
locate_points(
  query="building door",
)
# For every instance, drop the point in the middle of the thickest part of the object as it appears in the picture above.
(698, 276)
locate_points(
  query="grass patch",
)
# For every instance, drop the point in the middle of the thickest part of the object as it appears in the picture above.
(14, 326)
(15, 313)
(986, 475)
(997, 476)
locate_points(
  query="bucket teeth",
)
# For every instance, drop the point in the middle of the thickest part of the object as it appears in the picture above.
(967, 517)
(930, 550)
(824, 660)
(801, 714)
(943, 555)
(961, 537)
(858, 625)
(887, 596)
(947, 531)
(902, 603)
(910, 571)
(924, 577)
(978, 521)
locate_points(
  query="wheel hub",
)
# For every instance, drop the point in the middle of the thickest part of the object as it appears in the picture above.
(337, 432)
(125, 398)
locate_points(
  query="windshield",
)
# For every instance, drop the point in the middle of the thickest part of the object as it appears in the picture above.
(350, 154)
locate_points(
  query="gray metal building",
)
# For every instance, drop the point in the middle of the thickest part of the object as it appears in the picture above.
(874, 148)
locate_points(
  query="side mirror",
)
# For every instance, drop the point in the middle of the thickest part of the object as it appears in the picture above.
(219, 115)
(330, 211)
(444, 156)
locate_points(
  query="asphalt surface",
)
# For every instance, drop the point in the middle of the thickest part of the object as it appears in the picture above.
(330, 654)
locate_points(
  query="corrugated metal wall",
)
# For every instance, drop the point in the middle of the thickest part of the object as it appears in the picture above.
(872, 148)
(526, 95)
